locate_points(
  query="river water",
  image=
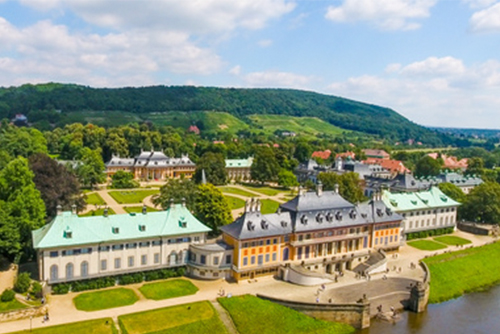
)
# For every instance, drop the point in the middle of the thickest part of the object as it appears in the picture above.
(474, 313)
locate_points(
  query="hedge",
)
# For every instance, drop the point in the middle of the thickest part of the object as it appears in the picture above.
(429, 233)
(7, 295)
(106, 282)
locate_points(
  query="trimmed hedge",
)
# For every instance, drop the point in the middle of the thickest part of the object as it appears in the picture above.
(429, 233)
(106, 282)
(7, 295)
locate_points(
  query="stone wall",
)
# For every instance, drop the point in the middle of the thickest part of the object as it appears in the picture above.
(34, 312)
(356, 315)
(479, 229)
(419, 295)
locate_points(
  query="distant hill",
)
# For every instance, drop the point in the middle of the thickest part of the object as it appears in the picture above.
(480, 133)
(243, 104)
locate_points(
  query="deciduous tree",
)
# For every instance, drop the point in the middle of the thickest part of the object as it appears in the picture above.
(214, 166)
(211, 207)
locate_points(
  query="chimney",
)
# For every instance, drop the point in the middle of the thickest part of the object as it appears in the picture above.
(319, 189)
(184, 202)
(59, 209)
(336, 187)
(257, 206)
(302, 191)
(73, 209)
(252, 204)
(105, 214)
(247, 205)
(144, 209)
(338, 163)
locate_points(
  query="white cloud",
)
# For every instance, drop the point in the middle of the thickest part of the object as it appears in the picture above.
(479, 3)
(456, 96)
(386, 14)
(236, 70)
(278, 79)
(486, 20)
(265, 43)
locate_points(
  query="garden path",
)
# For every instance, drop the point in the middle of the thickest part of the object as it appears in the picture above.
(110, 201)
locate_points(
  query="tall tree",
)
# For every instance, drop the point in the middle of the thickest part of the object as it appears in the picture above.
(211, 207)
(176, 190)
(428, 166)
(91, 170)
(452, 191)
(303, 151)
(482, 204)
(10, 239)
(475, 166)
(57, 185)
(265, 167)
(349, 186)
(214, 166)
(287, 179)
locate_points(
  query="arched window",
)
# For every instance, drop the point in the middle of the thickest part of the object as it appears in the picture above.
(54, 273)
(84, 269)
(69, 271)
(173, 258)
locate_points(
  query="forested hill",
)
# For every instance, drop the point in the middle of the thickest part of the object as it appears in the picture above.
(347, 114)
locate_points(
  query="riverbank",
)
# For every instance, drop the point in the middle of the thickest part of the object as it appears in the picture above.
(456, 273)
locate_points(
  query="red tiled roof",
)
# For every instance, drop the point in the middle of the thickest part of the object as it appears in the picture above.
(394, 166)
(322, 154)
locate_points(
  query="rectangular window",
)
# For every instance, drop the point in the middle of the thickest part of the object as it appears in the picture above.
(196, 239)
(287, 238)
(87, 250)
(203, 259)
(275, 256)
(104, 249)
(131, 245)
(245, 245)
(118, 263)
(104, 264)
(268, 241)
(117, 247)
(275, 241)
(157, 258)
(245, 261)
(261, 259)
(228, 259)
(144, 244)
(144, 260)
(216, 261)
(252, 260)
(157, 243)
(299, 253)
(130, 261)
(268, 257)
(54, 254)
(376, 241)
(67, 252)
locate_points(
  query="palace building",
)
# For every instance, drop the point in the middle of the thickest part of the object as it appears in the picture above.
(152, 165)
(239, 169)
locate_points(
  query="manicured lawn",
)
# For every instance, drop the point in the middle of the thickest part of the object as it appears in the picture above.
(237, 191)
(12, 305)
(98, 326)
(269, 206)
(98, 212)
(193, 318)
(452, 240)
(267, 190)
(253, 315)
(168, 289)
(138, 209)
(100, 300)
(132, 196)
(468, 270)
(95, 199)
(428, 245)
(235, 203)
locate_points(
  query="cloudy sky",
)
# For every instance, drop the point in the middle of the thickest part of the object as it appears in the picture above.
(437, 62)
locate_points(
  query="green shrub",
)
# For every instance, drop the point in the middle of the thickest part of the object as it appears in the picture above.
(7, 295)
(23, 282)
(60, 289)
(36, 291)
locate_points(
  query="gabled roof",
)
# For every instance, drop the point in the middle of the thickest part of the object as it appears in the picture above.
(428, 199)
(69, 229)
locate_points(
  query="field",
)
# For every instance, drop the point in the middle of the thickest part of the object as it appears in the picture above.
(95, 199)
(98, 326)
(12, 305)
(268, 191)
(132, 196)
(168, 289)
(252, 315)
(138, 209)
(198, 317)
(427, 245)
(269, 206)
(98, 212)
(452, 240)
(237, 191)
(468, 270)
(100, 300)
(235, 203)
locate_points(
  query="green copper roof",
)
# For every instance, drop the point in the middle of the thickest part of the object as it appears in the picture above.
(233, 163)
(68, 229)
(429, 199)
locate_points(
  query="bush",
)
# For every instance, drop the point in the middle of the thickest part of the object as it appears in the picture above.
(60, 289)
(430, 233)
(36, 290)
(7, 295)
(23, 282)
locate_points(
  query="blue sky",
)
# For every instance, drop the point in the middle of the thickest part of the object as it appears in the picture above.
(437, 62)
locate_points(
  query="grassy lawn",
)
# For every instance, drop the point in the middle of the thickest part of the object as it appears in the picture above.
(235, 203)
(198, 317)
(12, 305)
(98, 326)
(237, 191)
(267, 190)
(427, 245)
(468, 270)
(452, 240)
(132, 196)
(100, 300)
(269, 206)
(98, 212)
(95, 199)
(168, 289)
(252, 315)
(138, 209)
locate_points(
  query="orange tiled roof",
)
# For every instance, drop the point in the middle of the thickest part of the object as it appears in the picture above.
(322, 154)
(394, 166)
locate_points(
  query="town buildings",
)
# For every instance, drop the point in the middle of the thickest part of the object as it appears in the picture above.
(152, 165)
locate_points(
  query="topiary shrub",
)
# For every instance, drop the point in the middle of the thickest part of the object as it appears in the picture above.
(7, 295)
(23, 282)
(36, 290)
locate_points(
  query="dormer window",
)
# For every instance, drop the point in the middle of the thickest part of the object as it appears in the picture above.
(115, 230)
(182, 223)
(379, 212)
(142, 228)
(284, 223)
(264, 225)
(303, 220)
(388, 212)
(338, 216)
(250, 226)
(319, 218)
(352, 214)
(68, 234)
(329, 217)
